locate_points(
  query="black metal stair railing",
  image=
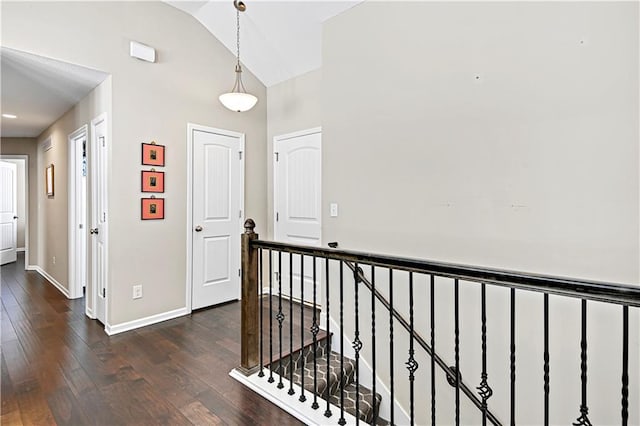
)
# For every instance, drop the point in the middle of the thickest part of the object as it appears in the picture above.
(327, 373)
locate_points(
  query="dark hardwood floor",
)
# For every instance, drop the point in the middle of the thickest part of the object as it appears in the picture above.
(59, 367)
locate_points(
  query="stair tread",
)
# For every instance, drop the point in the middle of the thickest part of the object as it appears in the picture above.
(348, 371)
(368, 404)
(299, 357)
(321, 339)
(366, 401)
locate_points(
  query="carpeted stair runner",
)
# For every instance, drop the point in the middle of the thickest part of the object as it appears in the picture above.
(303, 365)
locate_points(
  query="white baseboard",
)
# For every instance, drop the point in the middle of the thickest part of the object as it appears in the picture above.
(20, 249)
(89, 312)
(49, 278)
(142, 322)
(290, 403)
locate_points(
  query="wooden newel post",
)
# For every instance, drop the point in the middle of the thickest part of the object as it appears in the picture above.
(249, 357)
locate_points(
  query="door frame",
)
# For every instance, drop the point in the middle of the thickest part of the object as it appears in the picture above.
(93, 215)
(75, 287)
(281, 138)
(27, 194)
(191, 127)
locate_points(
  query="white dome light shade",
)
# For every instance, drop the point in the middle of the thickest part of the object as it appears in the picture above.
(238, 101)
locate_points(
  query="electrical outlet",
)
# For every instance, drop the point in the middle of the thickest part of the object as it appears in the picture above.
(137, 291)
(54, 260)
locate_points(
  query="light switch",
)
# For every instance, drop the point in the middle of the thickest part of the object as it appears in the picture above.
(334, 210)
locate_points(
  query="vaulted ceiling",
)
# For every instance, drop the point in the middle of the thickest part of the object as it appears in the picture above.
(279, 39)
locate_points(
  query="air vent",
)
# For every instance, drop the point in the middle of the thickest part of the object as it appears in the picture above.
(46, 145)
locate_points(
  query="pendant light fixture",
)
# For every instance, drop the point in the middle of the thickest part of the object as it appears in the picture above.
(238, 99)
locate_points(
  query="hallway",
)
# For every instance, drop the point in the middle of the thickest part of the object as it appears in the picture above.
(59, 367)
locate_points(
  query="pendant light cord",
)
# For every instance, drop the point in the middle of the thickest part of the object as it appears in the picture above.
(238, 35)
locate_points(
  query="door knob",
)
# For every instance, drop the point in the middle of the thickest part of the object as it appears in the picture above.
(198, 228)
(93, 231)
(15, 217)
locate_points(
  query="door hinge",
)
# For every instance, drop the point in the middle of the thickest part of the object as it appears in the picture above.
(104, 292)
(240, 215)
(102, 140)
(277, 216)
(239, 273)
(240, 154)
(104, 217)
(80, 226)
(277, 156)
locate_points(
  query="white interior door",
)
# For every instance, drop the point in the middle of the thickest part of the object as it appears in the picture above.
(78, 212)
(82, 212)
(8, 212)
(99, 229)
(297, 202)
(218, 195)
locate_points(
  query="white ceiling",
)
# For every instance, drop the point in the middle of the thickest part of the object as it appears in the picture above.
(40, 90)
(279, 40)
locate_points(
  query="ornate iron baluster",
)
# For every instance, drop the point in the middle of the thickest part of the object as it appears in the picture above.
(357, 344)
(302, 398)
(373, 339)
(546, 359)
(280, 318)
(484, 390)
(261, 373)
(583, 419)
(625, 365)
(412, 364)
(513, 356)
(456, 332)
(314, 331)
(433, 351)
(342, 420)
(291, 363)
(391, 344)
(327, 412)
(270, 380)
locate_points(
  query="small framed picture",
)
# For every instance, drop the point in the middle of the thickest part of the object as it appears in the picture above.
(152, 208)
(48, 179)
(152, 154)
(152, 181)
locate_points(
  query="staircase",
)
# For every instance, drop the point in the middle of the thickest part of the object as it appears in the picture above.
(331, 375)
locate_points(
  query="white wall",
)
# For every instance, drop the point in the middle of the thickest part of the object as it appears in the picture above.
(496, 134)
(150, 102)
(532, 167)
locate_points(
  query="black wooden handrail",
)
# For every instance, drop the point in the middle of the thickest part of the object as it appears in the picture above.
(423, 343)
(620, 294)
